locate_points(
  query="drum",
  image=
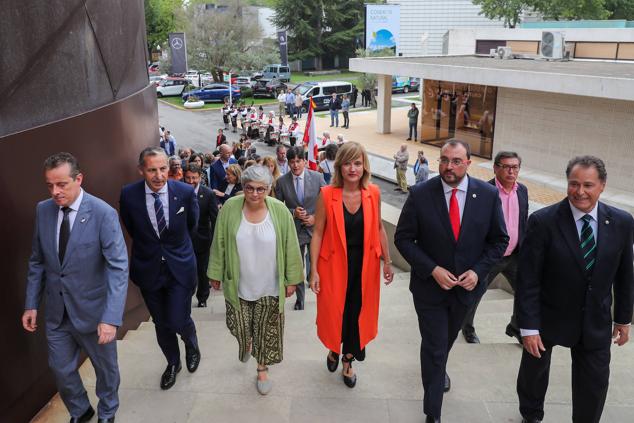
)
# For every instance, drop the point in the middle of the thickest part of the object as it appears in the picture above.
(285, 138)
(275, 136)
(263, 128)
(246, 124)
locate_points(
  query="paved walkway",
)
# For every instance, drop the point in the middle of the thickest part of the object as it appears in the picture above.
(388, 391)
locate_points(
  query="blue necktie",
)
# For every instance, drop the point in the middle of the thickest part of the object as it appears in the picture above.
(160, 216)
(588, 244)
(299, 189)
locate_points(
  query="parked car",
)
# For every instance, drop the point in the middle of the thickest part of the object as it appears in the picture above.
(268, 87)
(214, 92)
(277, 71)
(171, 86)
(404, 84)
(153, 68)
(321, 92)
(243, 81)
(155, 79)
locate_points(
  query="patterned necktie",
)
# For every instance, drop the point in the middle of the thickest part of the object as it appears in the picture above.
(160, 216)
(454, 213)
(299, 189)
(64, 234)
(588, 244)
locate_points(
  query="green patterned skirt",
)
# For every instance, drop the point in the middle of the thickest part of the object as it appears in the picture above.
(260, 323)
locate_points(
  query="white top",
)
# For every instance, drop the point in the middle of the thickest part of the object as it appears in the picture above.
(258, 265)
(281, 97)
(149, 203)
(72, 214)
(327, 165)
(461, 194)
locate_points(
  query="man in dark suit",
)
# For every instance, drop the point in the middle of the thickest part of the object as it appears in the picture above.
(451, 231)
(514, 199)
(218, 169)
(299, 189)
(79, 259)
(160, 215)
(205, 232)
(576, 254)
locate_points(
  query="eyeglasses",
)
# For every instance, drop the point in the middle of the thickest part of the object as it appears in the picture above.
(514, 168)
(445, 161)
(251, 189)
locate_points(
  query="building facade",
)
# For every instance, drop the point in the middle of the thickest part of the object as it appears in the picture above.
(425, 22)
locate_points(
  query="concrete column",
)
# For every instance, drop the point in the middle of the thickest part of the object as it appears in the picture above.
(384, 104)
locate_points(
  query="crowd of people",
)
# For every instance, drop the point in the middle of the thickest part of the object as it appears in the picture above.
(197, 221)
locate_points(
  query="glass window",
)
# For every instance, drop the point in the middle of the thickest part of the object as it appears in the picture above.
(462, 111)
(284, 69)
(344, 89)
(329, 90)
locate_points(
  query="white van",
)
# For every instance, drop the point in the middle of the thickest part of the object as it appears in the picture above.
(322, 92)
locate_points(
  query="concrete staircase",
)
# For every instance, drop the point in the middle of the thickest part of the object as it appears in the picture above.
(388, 389)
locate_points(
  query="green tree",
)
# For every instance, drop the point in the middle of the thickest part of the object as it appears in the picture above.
(508, 11)
(318, 28)
(161, 18)
(570, 9)
(620, 9)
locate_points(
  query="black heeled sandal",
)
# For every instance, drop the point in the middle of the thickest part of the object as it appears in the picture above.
(332, 364)
(350, 381)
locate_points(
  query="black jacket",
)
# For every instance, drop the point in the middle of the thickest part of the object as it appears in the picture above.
(208, 206)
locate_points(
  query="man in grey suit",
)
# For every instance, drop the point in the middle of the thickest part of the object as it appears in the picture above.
(299, 190)
(80, 262)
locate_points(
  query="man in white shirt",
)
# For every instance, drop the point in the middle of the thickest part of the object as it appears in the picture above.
(576, 261)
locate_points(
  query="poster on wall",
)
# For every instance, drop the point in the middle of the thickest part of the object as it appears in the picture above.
(382, 27)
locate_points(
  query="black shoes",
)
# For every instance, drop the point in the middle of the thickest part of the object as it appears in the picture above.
(202, 303)
(192, 359)
(298, 305)
(512, 331)
(447, 386)
(470, 336)
(350, 381)
(84, 417)
(430, 419)
(110, 420)
(168, 379)
(332, 364)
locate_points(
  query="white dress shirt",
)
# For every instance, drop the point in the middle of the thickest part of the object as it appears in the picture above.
(461, 194)
(577, 215)
(258, 278)
(71, 216)
(149, 203)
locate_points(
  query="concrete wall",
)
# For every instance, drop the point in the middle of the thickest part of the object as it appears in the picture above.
(435, 17)
(463, 40)
(548, 129)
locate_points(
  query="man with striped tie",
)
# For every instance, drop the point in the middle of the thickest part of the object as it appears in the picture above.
(160, 216)
(575, 255)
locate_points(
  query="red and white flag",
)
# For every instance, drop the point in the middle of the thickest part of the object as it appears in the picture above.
(310, 136)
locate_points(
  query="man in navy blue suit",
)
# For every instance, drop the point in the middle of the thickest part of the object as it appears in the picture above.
(218, 169)
(160, 215)
(575, 263)
(451, 231)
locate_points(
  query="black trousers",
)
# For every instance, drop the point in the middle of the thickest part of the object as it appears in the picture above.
(414, 129)
(300, 291)
(202, 291)
(590, 377)
(439, 325)
(170, 307)
(508, 267)
(346, 120)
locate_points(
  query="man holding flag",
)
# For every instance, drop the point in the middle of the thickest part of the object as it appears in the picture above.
(299, 189)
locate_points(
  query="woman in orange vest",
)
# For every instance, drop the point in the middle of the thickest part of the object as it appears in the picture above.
(348, 242)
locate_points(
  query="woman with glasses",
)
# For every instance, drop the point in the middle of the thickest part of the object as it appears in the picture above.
(199, 160)
(250, 226)
(348, 241)
(233, 174)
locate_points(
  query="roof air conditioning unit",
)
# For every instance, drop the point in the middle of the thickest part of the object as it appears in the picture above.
(505, 53)
(552, 46)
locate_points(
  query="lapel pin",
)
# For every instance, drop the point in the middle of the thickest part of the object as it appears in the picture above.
(83, 219)
(607, 222)
(474, 195)
(201, 196)
(175, 198)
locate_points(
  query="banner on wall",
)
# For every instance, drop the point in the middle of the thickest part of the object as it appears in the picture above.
(178, 49)
(382, 26)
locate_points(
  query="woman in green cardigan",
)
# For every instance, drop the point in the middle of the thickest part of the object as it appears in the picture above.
(255, 254)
